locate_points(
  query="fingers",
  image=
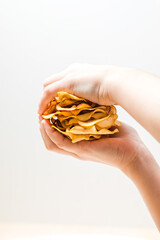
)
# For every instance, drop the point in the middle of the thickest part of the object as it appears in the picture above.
(61, 75)
(54, 78)
(50, 145)
(46, 139)
(60, 140)
(50, 92)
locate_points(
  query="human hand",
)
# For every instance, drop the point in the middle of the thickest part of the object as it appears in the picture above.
(119, 151)
(84, 80)
(130, 88)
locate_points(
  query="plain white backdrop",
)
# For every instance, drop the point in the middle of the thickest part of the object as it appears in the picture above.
(39, 38)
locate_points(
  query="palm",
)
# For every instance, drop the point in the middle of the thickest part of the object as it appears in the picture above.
(118, 150)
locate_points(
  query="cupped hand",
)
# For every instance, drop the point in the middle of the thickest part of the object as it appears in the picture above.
(120, 150)
(84, 80)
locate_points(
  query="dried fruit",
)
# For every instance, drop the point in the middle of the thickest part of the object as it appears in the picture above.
(79, 119)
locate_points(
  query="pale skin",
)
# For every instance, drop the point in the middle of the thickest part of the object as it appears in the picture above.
(139, 94)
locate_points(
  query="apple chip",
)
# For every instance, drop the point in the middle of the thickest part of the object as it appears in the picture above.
(79, 119)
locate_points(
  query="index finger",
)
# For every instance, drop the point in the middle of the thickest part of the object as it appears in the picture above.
(55, 77)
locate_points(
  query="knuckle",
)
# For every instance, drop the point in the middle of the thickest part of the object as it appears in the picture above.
(60, 144)
(45, 83)
(67, 79)
(49, 147)
(71, 82)
(47, 91)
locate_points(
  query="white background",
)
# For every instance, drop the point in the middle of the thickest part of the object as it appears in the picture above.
(37, 39)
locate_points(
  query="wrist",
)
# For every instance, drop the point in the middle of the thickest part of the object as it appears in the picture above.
(142, 165)
(144, 173)
(118, 81)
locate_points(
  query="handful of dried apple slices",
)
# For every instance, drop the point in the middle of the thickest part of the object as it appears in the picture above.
(79, 119)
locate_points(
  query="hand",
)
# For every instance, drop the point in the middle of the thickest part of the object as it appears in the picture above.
(120, 151)
(84, 80)
(130, 88)
(112, 85)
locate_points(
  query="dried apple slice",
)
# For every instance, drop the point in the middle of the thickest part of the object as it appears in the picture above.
(64, 95)
(90, 130)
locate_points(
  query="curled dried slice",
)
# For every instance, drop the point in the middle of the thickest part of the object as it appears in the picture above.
(78, 111)
(51, 107)
(68, 102)
(59, 108)
(77, 137)
(86, 116)
(99, 115)
(49, 116)
(103, 122)
(74, 107)
(64, 95)
(113, 109)
(80, 137)
(91, 130)
(62, 113)
(117, 123)
(107, 122)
